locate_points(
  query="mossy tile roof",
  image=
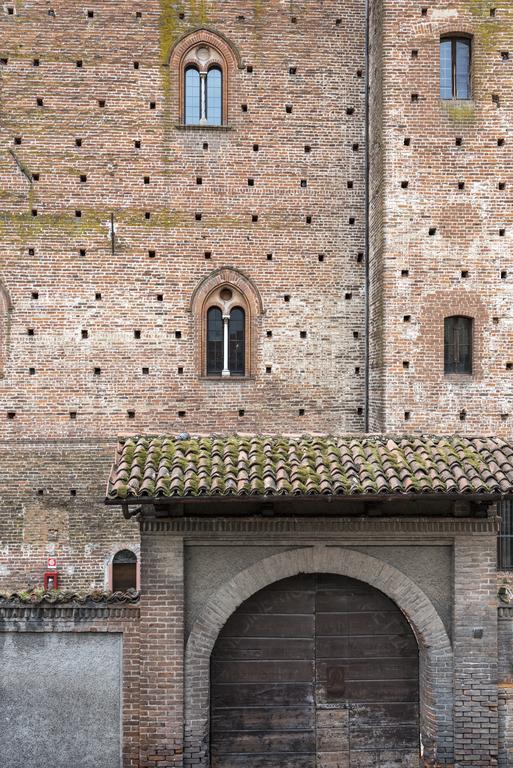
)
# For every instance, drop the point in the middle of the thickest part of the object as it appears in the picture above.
(350, 466)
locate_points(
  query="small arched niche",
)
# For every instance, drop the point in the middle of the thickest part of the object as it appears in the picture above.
(124, 571)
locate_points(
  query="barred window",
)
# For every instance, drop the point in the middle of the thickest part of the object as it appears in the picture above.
(505, 537)
(458, 344)
(455, 55)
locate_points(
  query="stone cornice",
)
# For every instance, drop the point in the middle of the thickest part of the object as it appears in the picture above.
(321, 527)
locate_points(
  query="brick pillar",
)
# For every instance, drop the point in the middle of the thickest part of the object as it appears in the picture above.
(475, 658)
(161, 685)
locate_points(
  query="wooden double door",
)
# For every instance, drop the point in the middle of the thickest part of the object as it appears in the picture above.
(315, 671)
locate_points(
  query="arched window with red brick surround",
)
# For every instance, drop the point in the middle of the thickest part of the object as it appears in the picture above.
(5, 327)
(227, 311)
(202, 64)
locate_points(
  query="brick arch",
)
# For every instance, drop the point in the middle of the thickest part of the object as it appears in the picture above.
(435, 650)
(230, 276)
(209, 36)
(5, 326)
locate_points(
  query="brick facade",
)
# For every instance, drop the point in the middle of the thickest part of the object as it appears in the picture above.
(116, 221)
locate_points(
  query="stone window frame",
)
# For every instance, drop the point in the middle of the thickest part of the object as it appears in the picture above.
(244, 295)
(184, 54)
(5, 327)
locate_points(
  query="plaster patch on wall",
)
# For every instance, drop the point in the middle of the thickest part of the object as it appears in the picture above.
(61, 700)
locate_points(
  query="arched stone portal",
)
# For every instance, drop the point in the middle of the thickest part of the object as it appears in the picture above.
(435, 652)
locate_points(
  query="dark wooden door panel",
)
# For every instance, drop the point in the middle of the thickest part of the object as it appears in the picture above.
(263, 625)
(379, 737)
(284, 742)
(256, 694)
(382, 690)
(373, 669)
(262, 671)
(263, 648)
(377, 623)
(280, 601)
(386, 714)
(316, 671)
(365, 647)
(264, 719)
(265, 761)
(339, 601)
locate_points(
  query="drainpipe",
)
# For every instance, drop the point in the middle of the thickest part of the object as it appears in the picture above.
(367, 218)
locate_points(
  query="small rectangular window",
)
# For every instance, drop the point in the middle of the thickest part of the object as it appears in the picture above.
(505, 537)
(458, 345)
(455, 67)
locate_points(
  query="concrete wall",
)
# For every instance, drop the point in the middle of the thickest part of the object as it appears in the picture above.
(61, 700)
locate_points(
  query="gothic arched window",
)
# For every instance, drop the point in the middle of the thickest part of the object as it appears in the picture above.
(458, 344)
(203, 79)
(226, 316)
(227, 311)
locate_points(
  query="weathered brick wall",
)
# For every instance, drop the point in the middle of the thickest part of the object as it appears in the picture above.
(467, 221)
(51, 503)
(74, 368)
(475, 652)
(41, 255)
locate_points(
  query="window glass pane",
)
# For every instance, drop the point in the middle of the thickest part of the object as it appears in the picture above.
(458, 345)
(192, 96)
(236, 342)
(214, 96)
(214, 342)
(463, 69)
(446, 69)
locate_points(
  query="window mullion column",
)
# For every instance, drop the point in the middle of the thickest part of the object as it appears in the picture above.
(226, 320)
(203, 98)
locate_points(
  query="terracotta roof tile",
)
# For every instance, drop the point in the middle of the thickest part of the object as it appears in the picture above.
(185, 467)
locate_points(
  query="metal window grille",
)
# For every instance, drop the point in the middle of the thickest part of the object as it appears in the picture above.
(505, 537)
